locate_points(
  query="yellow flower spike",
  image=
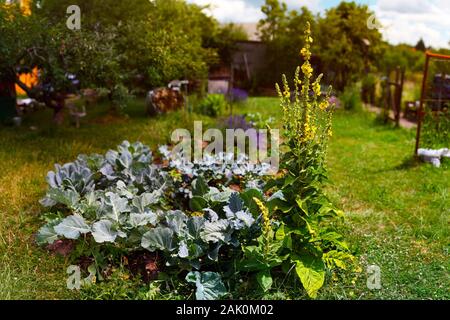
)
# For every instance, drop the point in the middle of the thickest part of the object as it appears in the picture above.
(266, 225)
(316, 88)
(304, 52)
(307, 69)
(287, 94)
(324, 105)
(277, 87)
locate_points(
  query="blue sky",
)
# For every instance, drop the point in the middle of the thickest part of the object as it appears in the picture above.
(404, 21)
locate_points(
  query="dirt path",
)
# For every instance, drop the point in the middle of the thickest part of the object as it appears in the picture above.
(404, 123)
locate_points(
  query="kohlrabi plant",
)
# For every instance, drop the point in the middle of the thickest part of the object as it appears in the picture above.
(184, 212)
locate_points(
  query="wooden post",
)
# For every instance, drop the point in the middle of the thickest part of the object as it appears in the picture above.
(387, 106)
(422, 98)
(399, 81)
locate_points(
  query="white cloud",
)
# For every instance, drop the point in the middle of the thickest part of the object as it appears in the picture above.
(406, 21)
(313, 5)
(231, 10)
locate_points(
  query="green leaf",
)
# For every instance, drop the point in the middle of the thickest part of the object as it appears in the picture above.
(209, 285)
(248, 196)
(117, 207)
(216, 231)
(102, 231)
(302, 205)
(264, 279)
(337, 259)
(47, 234)
(72, 226)
(198, 203)
(279, 204)
(235, 204)
(253, 259)
(68, 197)
(311, 272)
(199, 187)
(160, 238)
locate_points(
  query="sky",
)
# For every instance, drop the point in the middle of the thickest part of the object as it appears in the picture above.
(403, 21)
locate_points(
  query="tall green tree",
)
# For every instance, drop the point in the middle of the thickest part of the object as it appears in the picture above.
(282, 31)
(34, 41)
(421, 45)
(348, 48)
(156, 41)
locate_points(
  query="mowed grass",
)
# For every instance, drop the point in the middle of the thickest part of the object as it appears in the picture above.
(397, 211)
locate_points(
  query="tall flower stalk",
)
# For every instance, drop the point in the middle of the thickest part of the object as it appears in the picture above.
(304, 210)
(307, 112)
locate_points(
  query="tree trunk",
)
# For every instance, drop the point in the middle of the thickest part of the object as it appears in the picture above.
(55, 101)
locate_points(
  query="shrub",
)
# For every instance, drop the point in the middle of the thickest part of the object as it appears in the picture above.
(436, 130)
(238, 95)
(212, 105)
(351, 98)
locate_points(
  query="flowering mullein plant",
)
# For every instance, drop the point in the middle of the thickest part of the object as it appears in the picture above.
(308, 241)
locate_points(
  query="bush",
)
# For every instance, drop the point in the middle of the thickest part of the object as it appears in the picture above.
(351, 98)
(212, 106)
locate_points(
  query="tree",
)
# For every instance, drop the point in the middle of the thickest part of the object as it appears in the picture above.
(403, 56)
(158, 41)
(347, 47)
(223, 39)
(420, 46)
(33, 41)
(282, 31)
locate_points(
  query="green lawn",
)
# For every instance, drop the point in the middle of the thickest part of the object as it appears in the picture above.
(398, 212)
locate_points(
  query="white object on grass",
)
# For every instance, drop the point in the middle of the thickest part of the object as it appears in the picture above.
(433, 156)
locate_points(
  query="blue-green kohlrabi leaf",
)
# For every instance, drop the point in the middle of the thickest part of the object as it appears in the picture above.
(311, 271)
(103, 231)
(141, 203)
(75, 175)
(216, 231)
(72, 226)
(215, 195)
(159, 238)
(125, 159)
(142, 219)
(183, 251)
(176, 220)
(68, 197)
(235, 203)
(277, 195)
(209, 285)
(116, 207)
(47, 234)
